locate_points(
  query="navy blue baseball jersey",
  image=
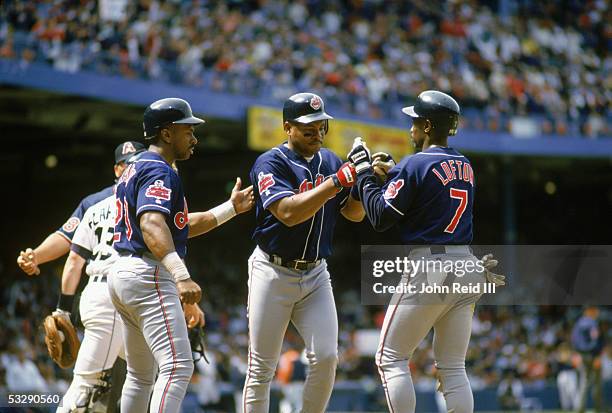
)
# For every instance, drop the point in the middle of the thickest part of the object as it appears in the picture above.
(279, 173)
(67, 230)
(149, 184)
(429, 196)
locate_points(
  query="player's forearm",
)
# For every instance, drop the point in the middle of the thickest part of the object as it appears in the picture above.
(200, 223)
(294, 210)
(353, 210)
(156, 234)
(72, 273)
(374, 204)
(53, 247)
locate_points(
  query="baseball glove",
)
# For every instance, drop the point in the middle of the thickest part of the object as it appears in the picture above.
(61, 339)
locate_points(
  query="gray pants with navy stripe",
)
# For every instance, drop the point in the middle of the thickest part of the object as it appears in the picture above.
(277, 296)
(410, 317)
(155, 335)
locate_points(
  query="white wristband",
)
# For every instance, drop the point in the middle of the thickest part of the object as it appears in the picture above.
(223, 212)
(175, 266)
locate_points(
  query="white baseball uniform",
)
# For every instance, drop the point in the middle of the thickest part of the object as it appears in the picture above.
(103, 340)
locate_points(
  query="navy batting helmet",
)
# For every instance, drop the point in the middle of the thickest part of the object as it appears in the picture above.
(166, 111)
(441, 110)
(305, 108)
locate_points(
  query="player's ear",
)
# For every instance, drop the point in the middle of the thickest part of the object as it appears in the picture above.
(287, 128)
(164, 136)
(428, 126)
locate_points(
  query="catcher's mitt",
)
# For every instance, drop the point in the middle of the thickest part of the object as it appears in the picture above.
(61, 339)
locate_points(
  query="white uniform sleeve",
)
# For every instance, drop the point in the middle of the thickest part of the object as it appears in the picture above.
(84, 237)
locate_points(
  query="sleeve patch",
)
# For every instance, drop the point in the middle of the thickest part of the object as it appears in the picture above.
(158, 191)
(71, 224)
(393, 189)
(265, 182)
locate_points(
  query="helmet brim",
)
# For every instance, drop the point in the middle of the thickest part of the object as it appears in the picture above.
(409, 110)
(192, 120)
(313, 117)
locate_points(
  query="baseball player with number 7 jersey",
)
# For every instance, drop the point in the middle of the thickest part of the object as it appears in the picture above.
(428, 198)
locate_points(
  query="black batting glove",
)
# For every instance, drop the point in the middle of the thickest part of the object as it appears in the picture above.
(360, 156)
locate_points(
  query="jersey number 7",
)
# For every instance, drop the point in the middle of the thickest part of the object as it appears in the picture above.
(462, 196)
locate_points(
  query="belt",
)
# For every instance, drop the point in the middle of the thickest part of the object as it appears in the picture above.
(98, 278)
(442, 249)
(297, 265)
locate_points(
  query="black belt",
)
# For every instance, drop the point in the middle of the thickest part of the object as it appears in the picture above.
(98, 278)
(298, 265)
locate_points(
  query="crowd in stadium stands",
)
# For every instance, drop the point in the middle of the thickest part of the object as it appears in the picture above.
(500, 58)
(530, 344)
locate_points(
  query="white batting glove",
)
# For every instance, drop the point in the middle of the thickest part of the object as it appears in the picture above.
(488, 262)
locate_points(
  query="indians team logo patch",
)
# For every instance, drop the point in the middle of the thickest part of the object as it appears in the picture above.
(158, 191)
(71, 224)
(265, 182)
(393, 189)
(316, 103)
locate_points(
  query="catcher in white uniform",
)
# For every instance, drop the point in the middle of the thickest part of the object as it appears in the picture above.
(103, 341)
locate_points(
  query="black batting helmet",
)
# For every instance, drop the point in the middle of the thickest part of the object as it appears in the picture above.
(305, 108)
(166, 111)
(441, 110)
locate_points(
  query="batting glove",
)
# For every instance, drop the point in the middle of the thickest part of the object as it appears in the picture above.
(345, 177)
(488, 262)
(360, 156)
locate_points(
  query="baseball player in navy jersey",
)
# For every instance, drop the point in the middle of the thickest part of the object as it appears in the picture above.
(149, 282)
(57, 244)
(429, 198)
(301, 190)
(92, 249)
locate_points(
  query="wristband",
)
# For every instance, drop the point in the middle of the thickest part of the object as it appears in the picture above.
(65, 302)
(175, 266)
(223, 212)
(336, 182)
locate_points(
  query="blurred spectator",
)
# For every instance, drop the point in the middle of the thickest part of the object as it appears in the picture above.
(547, 59)
(22, 374)
(206, 385)
(567, 379)
(510, 391)
(588, 340)
(291, 374)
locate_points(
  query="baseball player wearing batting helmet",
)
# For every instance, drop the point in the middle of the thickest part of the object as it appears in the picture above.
(57, 244)
(149, 282)
(428, 198)
(301, 190)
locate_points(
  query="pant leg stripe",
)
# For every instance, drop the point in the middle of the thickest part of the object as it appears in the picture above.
(382, 349)
(161, 301)
(248, 374)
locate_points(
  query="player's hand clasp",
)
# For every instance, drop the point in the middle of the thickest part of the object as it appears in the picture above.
(382, 163)
(243, 200)
(189, 291)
